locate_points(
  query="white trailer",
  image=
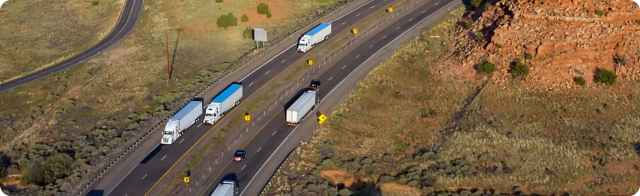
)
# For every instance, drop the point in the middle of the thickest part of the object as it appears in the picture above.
(222, 103)
(301, 107)
(183, 119)
(225, 188)
(314, 36)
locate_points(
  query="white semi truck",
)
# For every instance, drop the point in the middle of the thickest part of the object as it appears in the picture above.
(183, 119)
(225, 188)
(301, 107)
(314, 36)
(222, 103)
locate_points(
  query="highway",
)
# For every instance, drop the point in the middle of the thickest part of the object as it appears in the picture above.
(276, 130)
(127, 20)
(143, 177)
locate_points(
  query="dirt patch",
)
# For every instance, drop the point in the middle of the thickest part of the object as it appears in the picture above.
(395, 189)
(338, 177)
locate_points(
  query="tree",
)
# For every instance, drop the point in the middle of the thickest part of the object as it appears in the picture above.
(244, 18)
(45, 172)
(247, 33)
(485, 67)
(5, 162)
(605, 76)
(263, 9)
(227, 20)
(519, 69)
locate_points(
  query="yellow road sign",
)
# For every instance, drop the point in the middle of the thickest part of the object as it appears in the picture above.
(390, 9)
(354, 31)
(247, 117)
(322, 118)
(186, 179)
(310, 61)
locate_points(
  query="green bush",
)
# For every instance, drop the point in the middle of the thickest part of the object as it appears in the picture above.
(54, 167)
(263, 9)
(600, 13)
(244, 18)
(605, 76)
(519, 69)
(247, 33)
(579, 80)
(227, 20)
(218, 1)
(485, 67)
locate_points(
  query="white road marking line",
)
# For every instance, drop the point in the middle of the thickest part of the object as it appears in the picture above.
(259, 149)
(344, 66)
(344, 22)
(398, 27)
(357, 14)
(243, 167)
(274, 133)
(330, 78)
(410, 19)
(163, 157)
(267, 73)
(373, 6)
(251, 84)
(145, 176)
(357, 56)
(283, 61)
(384, 37)
(423, 11)
(182, 140)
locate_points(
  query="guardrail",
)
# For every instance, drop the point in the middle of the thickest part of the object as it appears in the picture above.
(250, 62)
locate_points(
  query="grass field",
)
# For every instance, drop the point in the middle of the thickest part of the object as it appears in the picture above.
(90, 110)
(434, 133)
(34, 34)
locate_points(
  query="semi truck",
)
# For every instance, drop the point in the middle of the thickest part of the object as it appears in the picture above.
(220, 104)
(225, 188)
(301, 107)
(314, 36)
(183, 119)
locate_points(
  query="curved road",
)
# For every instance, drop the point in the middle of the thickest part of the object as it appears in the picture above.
(126, 22)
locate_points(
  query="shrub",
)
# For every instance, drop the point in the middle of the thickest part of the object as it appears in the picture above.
(247, 33)
(485, 67)
(519, 69)
(54, 167)
(600, 13)
(227, 20)
(619, 59)
(218, 1)
(5, 162)
(579, 80)
(263, 9)
(244, 18)
(605, 76)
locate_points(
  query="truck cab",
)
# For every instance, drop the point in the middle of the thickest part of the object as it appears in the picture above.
(226, 188)
(212, 113)
(304, 44)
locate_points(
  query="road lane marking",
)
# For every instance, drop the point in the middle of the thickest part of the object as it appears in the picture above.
(145, 176)
(411, 19)
(344, 22)
(330, 78)
(163, 157)
(259, 149)
(251, 84)
(398, 27)
(274, 133)
(357, 14)
(384, 37)
(373, 6)
(243, 167)
(344, 66)
(357, 56)
(267, 73)
(182, 140)
(283, 61)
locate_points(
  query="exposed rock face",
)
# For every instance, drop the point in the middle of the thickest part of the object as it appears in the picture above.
(559, 39)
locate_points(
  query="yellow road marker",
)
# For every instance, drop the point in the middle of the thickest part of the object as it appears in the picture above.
(322, 118)
(247, 117)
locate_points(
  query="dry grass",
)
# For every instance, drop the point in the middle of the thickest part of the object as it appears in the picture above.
(34, 34)
(410, 124)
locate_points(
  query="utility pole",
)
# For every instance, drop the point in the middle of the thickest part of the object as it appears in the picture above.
(169, 64)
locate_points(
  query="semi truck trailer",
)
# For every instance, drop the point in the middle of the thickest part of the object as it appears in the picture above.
(225, 188)
(301, 107)
(220, 104)
(314, 36)
(183, 119)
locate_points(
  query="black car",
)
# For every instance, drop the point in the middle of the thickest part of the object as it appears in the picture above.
(239, 155)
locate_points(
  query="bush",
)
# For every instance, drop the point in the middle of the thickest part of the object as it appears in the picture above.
(485, 67)
(227, 20)
(476, 4)
(247, 33)
(579, 80)
(218, 1)
(600, 13)
(519, 69)
(619, 59)
(244, 18)
(605, 76)
(54, 167)
(5, 162)
(263, 9)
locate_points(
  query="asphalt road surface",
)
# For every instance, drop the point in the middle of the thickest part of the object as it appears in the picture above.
(274, 133)
(160, 160)
(130, 14)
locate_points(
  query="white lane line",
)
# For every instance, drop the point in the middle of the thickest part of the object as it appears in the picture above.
(423, 11)
(259, 149)
(398, 27)
(145, 176)
(411, 19)
(243, 167)
(384, 37)
(357, 56)
(251, 84)
(330, 78)
(182, 140)
(267, 73)
(163, 157)
(344, 66)
(344, 22)
(274, 133)
(373, 6)
(357, 14)
(283, 61)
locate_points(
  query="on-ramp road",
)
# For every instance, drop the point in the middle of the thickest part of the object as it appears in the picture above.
(130, 14)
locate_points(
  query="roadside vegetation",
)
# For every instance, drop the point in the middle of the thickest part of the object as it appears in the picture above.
(413, 128)
(88, 112)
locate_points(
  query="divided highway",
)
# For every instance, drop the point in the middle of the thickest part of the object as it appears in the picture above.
(151, 169)
(127, 20)
(276, 131)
